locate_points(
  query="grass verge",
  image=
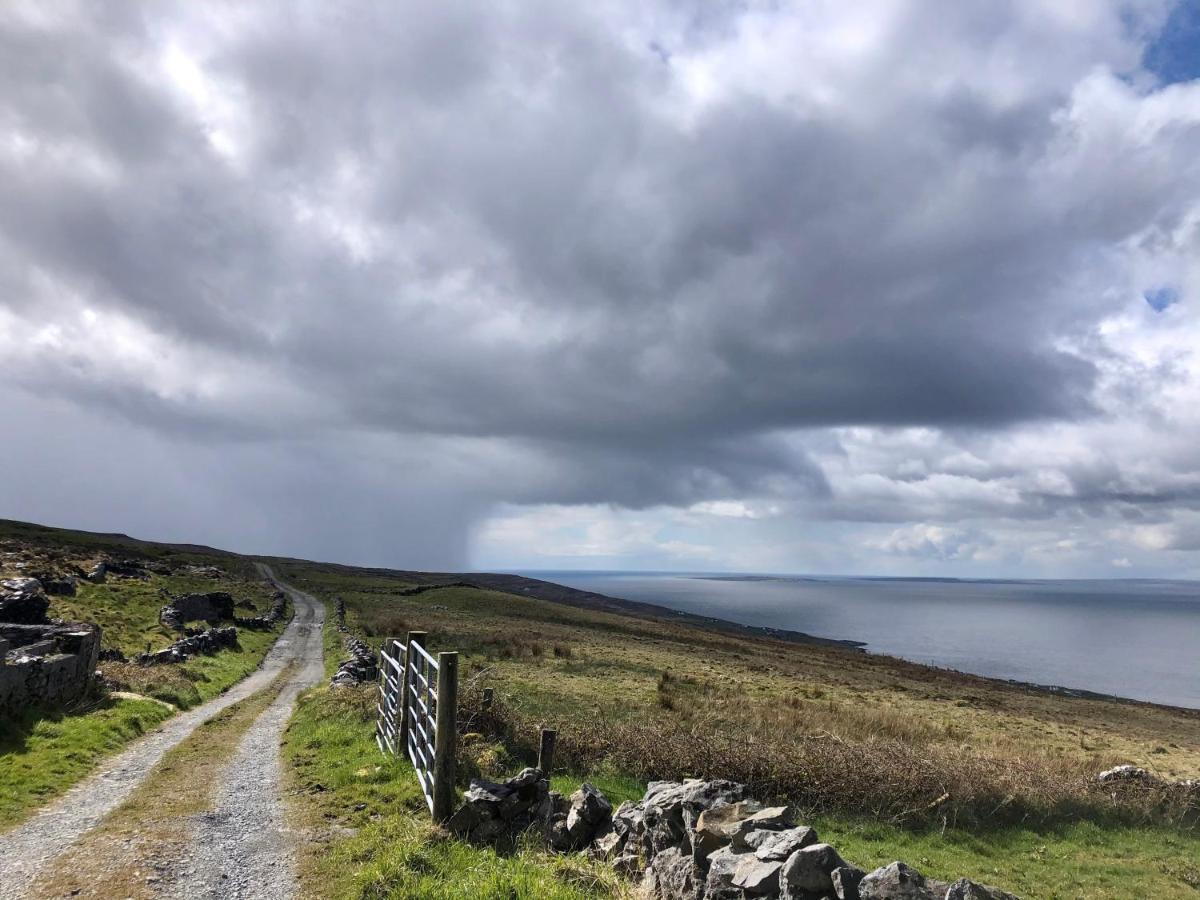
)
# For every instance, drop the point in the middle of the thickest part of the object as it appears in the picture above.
(369, 833)
(44, 753)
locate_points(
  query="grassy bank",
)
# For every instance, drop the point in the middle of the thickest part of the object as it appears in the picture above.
(368, 830)
(43, 753)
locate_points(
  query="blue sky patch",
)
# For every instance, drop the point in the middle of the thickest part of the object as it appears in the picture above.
(1162, 297)
(1174, 55)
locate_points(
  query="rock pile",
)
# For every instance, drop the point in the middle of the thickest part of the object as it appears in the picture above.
(278, 603)
(706, 840)
(360, 667)
(23, 601)
(494, 811)
(1136, 775)
(206, 642)
(498, 811)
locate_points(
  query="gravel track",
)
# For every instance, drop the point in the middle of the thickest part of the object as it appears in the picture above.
(241, 847)
(27, 851)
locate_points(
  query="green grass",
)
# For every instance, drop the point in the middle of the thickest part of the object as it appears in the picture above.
(1082, 860)
(42, 755)
(127, 609)
(371, 829)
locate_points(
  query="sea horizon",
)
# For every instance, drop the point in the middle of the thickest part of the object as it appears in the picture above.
(1134, 638)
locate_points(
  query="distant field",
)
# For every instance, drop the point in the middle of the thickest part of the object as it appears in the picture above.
(869, 747)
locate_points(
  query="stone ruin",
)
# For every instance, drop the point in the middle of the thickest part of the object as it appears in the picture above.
(694, 840)
(213, 607)
(41, 662)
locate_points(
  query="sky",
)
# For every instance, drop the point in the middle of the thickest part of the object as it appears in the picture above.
(883, 287)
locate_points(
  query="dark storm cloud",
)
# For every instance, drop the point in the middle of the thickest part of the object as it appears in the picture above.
(520, 240)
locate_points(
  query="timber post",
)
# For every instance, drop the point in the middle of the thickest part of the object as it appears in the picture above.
(545, 760)
(445, 736)
(414, 637)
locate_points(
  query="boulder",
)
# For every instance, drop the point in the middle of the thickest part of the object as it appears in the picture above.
(97, 574)
(771, 818)
(846, 880)
(715, 826)
(23, 601)
(810, 871)
(722, 866)
(672, 875)
(965, 889)
(758, 878)
(589, 811)
(897, 881)
(779, 845)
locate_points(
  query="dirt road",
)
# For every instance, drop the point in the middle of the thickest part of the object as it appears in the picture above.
(242, 837)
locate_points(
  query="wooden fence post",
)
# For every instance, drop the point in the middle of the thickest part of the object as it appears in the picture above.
(414, 637)
(546, 751)
(446, 737)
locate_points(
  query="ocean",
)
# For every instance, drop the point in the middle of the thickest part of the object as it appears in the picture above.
(1131, 638)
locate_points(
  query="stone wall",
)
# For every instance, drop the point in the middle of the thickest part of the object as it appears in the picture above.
(207, 642)
(51, 665)
(278, 605)
(694, 840)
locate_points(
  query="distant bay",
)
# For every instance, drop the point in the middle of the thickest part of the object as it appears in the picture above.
(1131, 638)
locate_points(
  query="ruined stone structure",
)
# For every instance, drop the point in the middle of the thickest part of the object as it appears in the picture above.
(213, 608)
(23, 600)
(46, 664)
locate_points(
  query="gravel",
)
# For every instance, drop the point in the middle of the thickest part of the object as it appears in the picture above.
(242, 848)
(26, 851)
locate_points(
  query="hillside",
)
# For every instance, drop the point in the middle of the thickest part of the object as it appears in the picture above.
(887, 759)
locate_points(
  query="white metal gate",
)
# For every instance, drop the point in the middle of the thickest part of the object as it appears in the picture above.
(418, 696)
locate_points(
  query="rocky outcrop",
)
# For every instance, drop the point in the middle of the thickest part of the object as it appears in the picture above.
(206, 642)
(212, 607)
(23, 601)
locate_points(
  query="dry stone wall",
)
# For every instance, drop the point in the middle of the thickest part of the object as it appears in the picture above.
(694, 840)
